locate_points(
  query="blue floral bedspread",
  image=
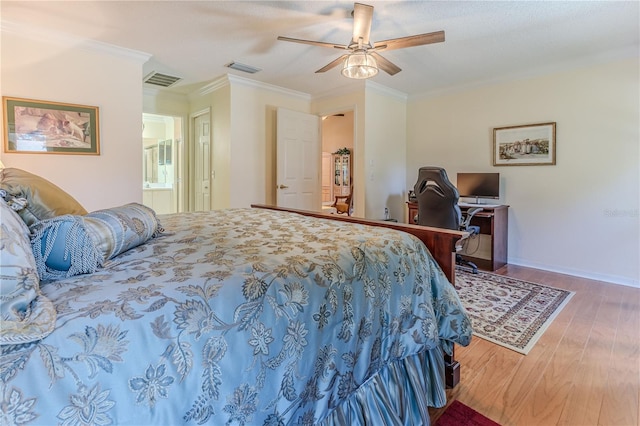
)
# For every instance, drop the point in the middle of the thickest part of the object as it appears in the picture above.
(241, 316)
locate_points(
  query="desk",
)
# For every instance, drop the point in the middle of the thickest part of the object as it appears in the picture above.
(489, 249)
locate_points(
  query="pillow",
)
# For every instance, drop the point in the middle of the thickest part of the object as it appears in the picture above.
(44, 199)
(25, 314)
(71, 245)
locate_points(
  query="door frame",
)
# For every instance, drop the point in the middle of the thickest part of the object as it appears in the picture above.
(180, 194)
(356, 156)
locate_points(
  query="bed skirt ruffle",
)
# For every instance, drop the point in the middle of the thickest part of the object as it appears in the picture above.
(399, 394)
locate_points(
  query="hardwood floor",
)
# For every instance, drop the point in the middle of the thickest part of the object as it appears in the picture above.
(584, 370)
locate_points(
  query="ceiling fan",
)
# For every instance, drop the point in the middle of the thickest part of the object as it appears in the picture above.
(363, 59)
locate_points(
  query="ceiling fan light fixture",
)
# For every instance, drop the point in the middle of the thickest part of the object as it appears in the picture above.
(360, 65)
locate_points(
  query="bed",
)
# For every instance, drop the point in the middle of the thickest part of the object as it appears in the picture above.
(243, 316)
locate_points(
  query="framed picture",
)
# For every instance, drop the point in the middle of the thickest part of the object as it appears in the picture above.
(33, 126)
(526, 145)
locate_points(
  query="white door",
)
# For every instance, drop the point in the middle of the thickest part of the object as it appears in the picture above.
(298, 160)
(202, 172)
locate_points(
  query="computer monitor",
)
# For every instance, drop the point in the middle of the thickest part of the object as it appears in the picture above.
(479, 185)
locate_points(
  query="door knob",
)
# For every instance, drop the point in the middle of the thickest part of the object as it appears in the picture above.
(283, 187)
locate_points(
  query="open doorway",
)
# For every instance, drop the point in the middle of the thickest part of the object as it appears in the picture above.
(337, 157)
(162, 166)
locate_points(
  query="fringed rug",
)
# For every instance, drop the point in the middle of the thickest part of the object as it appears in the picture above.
(458, 414)
(507, 311)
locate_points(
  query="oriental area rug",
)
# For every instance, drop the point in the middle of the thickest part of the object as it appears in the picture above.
(507, 311)
(458, 414)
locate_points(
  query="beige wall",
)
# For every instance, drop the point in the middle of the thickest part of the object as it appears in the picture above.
(385, 155)
(52, 69)
(578, 217)
(221, 147)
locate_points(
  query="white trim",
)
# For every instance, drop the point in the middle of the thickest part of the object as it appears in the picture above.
(613, 279)
(41, 35)
(211, 87)
(339, 110)
(228, 79)
(260, 85)
(203, 111)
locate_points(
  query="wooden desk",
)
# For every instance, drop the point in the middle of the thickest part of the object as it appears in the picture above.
(489, 249)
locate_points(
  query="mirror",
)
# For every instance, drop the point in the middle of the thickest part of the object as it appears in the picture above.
(158, 163)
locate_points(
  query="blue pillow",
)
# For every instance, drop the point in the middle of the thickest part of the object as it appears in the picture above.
(25, 314)
(71, 245)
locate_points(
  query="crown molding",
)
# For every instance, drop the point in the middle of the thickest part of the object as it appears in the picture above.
(48, 36)
(228, 79)
(210, 87)
(266, 86)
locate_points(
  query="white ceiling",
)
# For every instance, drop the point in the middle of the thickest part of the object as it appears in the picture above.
(486, 41)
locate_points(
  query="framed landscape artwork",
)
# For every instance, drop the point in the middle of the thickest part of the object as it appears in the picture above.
(33, 126)
(526, 145)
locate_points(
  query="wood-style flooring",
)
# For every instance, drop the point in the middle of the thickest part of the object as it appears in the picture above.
(584, 370)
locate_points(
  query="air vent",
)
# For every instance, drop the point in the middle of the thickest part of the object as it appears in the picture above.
(159, 79)
(242, 67)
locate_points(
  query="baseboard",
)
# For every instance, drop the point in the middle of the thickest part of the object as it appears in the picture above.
(613, 279)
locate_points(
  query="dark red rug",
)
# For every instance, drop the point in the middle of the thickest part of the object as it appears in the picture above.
(458, 414)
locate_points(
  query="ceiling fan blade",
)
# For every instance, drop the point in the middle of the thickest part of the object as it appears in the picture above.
(313, 43)
(410, 41)
(362, 18)
(385, 64)
(332, 64)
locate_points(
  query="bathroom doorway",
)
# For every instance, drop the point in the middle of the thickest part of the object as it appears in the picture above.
(162, 163)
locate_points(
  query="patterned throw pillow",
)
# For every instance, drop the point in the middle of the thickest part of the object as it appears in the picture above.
(44, 199)
(25, 315)
(71, 245)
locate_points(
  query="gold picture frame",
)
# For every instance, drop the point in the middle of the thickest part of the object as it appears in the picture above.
(43, 127)
(525, 145)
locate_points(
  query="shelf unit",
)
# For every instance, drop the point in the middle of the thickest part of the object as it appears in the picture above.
(341, 174)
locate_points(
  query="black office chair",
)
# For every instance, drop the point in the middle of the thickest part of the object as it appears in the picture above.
(438, 206)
